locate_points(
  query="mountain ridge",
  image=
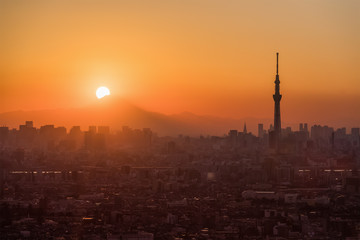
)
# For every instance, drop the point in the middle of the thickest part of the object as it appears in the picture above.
(118, 112)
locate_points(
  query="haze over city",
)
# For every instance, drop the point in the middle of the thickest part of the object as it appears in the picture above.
(206, 57)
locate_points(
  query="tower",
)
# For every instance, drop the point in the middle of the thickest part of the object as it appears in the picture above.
(277, 97)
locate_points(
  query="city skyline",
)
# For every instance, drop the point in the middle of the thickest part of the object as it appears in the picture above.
(204, 64)
(275, 129)
(101, 114)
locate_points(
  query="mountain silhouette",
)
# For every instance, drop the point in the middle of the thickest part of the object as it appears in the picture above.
(118, 112)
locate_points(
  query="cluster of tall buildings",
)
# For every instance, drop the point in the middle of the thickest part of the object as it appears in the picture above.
(282, 140)
(49, 137)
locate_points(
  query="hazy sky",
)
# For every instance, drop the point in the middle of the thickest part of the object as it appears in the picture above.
(206, 57)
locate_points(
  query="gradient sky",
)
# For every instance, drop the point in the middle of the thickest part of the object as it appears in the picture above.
(206, 57)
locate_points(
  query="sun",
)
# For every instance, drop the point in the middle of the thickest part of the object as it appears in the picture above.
(102, 92)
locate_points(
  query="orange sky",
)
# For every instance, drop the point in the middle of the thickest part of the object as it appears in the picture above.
(207, 57)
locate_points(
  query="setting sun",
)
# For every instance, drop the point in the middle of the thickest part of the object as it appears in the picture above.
(102, 92)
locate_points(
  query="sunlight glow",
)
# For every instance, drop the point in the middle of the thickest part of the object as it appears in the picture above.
(102, 92)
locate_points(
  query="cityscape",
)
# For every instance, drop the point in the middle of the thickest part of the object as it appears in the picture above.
(168, 120)
(132, 184)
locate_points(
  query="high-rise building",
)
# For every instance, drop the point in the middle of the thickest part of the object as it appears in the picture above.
(92, 129)
(29, 124)
(26, 135)
(4, 134)
(355, 135)
(306, 127)
(322, 135)
(260, 130)
(104, 130)
(355, 131)
(303, 131)
(147, 136)
(75, 130)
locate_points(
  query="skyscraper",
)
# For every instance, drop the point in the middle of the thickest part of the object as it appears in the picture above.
(260, 130)
(277, 97)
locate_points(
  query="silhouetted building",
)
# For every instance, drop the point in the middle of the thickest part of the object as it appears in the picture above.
(306, 127)
(260, 130)
(92, 129)
(26, 134)
(233, 134)
(340, 132)
(277, 118)
(104, 130)
(76, 137)
(147, 136)
(75, 130)
(29, 124)
(355, 132)
(4, 134)
(94, 141)
(322, 135)
(355, 135)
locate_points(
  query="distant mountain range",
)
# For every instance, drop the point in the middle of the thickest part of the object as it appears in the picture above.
(115, 112)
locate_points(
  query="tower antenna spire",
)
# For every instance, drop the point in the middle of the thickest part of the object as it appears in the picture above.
(277, 117)
(277, 63)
